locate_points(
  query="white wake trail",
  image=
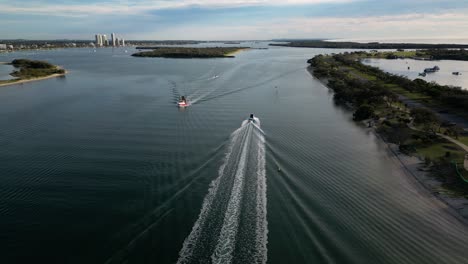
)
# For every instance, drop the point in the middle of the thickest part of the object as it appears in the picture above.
(217, 231)
(227, 238)
(261, 224)
(186, 252)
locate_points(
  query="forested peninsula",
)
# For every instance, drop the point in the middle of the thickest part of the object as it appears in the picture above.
(404, 112)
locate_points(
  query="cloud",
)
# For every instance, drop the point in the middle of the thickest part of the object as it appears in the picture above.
(234, 19)
(415, 25)
(139, 7)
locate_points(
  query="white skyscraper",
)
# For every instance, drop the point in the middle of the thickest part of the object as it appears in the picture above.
(102, 40)
(105, 42)
(98, 40)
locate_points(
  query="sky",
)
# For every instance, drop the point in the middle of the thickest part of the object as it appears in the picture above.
(234, 19)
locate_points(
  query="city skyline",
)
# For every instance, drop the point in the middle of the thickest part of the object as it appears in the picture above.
(102, 41)
(234, 20)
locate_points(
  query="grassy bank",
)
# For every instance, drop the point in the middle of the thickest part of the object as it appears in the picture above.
(28, 70)
(374, 95)
(181, 52)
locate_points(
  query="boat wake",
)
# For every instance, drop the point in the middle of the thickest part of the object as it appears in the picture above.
(232, 222)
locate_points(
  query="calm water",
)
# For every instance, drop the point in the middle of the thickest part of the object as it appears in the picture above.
(102, 167)
(5, 71)
(444, 76)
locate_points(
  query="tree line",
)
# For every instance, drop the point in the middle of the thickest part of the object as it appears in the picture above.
(353, 83)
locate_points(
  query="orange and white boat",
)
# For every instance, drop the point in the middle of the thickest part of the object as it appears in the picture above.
(183, 102)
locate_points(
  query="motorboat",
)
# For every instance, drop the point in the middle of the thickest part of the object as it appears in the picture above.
(456, 73)
(251, 118)
(182, 102)
(433, 69)
(423, 74)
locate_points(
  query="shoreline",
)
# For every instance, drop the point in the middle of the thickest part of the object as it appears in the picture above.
(21, 81)
(231, 54)
(413, 168)
(422, 181)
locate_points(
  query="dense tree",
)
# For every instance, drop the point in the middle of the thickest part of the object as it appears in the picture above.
(363, 112)
(426, 118)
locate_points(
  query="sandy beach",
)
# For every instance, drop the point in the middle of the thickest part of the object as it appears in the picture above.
(420, 180)
(231, 54)
(34, 79)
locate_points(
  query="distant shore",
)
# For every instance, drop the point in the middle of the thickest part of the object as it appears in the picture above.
(370, 45)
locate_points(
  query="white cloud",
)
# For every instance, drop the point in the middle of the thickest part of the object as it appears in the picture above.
(445, 25)
(138, 7)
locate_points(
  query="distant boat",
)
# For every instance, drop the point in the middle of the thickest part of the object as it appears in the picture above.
(433, 69)
(423, 74)
(456, 73)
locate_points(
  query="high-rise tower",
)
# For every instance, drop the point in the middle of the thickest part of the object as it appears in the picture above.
(113, 39)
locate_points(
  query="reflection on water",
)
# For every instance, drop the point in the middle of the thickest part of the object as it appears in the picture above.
(444, 76)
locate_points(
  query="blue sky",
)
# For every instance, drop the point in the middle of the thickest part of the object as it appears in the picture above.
(234, 19)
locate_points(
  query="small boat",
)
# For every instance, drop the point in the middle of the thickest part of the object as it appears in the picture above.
(251, 118)
(423, 74)
(182, 102)
(433, 69)
(456, 73)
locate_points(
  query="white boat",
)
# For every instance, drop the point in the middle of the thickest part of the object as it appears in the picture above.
(183, 102)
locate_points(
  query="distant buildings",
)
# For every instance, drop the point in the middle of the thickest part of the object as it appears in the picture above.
(101, 41)
(6, 47)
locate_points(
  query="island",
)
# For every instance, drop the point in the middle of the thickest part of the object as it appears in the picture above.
(186, 52)
(32, 70)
